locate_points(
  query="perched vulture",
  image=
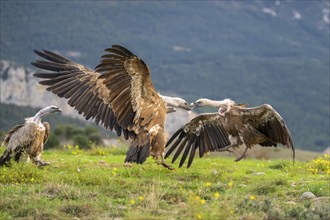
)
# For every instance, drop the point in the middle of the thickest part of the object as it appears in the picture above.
(119, 94)
(233, 125)
(29, 137)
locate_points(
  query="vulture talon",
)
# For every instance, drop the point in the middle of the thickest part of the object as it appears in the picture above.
(167, 166)
(127, 164)
(44, 163)
(243, 155)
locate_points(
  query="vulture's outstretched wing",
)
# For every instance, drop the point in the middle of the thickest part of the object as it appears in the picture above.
(81, 86)
(133, 98)
(122, 98)
(269, 122)
(205, 132)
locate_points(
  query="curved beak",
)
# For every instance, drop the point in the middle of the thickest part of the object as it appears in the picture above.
(186, 107)
(193, 105)
(58, 110)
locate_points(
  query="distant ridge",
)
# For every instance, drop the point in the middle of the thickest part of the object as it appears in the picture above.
(254, 52)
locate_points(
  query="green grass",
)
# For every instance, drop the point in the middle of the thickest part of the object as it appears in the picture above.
(96, 185)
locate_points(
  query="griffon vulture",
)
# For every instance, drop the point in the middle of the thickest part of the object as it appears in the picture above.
(29, 137)
(119, 94)
(233, 125)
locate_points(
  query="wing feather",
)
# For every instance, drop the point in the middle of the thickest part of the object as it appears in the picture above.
(123, 70)
(268, 121)
(20, 137)
(193, 150)
(205, 133)
(76, 83)
(187, 150)
(47, 131)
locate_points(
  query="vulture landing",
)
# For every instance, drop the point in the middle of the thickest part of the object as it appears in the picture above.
(29, 137)
(119, 94)
(233, 125)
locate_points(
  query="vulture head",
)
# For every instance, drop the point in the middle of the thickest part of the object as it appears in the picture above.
(42, 113)
(181, 103)
(224, 105)
(176, 102)
(199, 103)
(48, 110)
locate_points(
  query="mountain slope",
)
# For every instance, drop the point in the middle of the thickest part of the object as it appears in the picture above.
(254, 52)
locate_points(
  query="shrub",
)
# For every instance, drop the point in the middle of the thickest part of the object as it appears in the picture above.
(52, 142)
(82, 141)
(320, 165)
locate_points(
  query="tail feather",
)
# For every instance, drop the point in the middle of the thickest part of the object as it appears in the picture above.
(137, 154)
(5, 158)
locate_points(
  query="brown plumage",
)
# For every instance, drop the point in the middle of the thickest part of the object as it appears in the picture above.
(29, 137)
(233, 125)
(119, 94)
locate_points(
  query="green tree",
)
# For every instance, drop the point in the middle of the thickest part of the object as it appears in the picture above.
(53, 142)
(82, 141)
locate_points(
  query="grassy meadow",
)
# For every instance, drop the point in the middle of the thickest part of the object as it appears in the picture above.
(96, 184)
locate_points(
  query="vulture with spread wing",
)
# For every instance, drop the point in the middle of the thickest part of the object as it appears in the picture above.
(29, 137)
(233, 125)
(119, 94)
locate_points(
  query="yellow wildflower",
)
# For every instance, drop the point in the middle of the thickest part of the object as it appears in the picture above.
(202, 201)
(197, 198)
(208, 184)
(141, 198)
(132, 201)
(252, 197)
(199, 216)
(216, 195)
(230, 184)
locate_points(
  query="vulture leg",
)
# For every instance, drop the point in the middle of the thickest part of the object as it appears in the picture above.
(243, 155)
(128, 164)
(18, 154)
(37, 160)
(162, 162)
(228, 148)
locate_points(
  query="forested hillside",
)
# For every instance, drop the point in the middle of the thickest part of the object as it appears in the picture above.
(254, 52)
